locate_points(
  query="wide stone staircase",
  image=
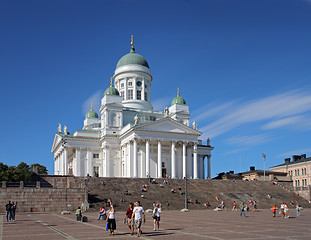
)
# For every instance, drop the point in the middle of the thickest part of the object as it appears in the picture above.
(201, 190)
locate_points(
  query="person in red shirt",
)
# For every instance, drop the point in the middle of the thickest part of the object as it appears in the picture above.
(274, 210)
(234, 206)
(128, 216)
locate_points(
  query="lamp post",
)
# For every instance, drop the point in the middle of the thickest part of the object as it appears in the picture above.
(186, 200)
(264, 166)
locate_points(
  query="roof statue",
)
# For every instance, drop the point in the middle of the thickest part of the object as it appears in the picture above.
(136, 120)
(194, 125)
(132, 41)
(166, 112)
(59, 128)
(65, 130)
(208, 142)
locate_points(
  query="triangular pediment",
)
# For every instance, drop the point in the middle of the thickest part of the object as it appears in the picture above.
(56, 141)
(167, 125)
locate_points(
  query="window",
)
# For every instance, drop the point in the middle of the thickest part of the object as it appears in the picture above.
(295, 172)
(122, 95)
(95, 155)
(298, 172)
(138, 95)
(130, 94)
(146, 96)
(138, 83)
(122, 85)
(298, 181)
(130, 84)
(163, 164)
(96, 171)
(145, 85)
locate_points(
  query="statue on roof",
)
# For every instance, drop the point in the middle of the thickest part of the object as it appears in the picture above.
(208, 142)
(59, 128)
(194, 125)
(65, 130)
(135, 120)
(166, 112)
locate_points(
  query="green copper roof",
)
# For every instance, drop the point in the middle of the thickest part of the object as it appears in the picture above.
(179, 100)
(91, 114)
(132, 58)
(111, 91)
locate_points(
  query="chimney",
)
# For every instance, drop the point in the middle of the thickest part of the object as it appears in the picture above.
(303, 156)
(231, 172)
(295, 158)
(252, 168)
(287, 161)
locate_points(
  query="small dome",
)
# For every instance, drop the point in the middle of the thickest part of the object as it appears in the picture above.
(91, 114)
(178, 99)
(132, 58)
(111, 91)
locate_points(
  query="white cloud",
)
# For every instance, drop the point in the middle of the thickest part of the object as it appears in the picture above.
(95, 99)
(295, 152)
(248, 140)
(235, 151)
(269, 108)
(283, 122)
(208, 110)
(161, 103)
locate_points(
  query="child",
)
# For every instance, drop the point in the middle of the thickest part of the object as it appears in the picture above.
(274, 210)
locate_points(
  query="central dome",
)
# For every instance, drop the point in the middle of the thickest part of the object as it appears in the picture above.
(132, 58)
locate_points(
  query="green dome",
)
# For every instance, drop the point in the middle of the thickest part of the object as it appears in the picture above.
(132, 58)
(91, 114)
(111, 91)
(179, 100)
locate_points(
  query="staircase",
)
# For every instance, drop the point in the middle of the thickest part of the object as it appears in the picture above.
(197, 189)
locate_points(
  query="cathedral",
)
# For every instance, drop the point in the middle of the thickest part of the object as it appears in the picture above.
(131, 139)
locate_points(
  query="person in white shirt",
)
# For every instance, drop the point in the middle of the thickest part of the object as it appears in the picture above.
(138, 213)
(111, 219)
(156, 216)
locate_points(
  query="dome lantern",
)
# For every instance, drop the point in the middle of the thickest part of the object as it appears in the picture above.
(178, 99)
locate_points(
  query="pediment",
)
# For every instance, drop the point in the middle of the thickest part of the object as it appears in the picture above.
(167, 125)
(56, 141)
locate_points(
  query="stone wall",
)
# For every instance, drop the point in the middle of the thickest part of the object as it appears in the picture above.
(50, 193)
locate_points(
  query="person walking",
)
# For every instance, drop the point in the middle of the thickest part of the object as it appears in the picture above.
(156, 217)
(129, 217)
(111, 219)
(286, 211)
(297, 208)
(102, 213)
(234, 206)
(242, 207)
(8, 210)
(282, 207)
(13, 210)
(138, 214)
(274, 210)
(78, 214)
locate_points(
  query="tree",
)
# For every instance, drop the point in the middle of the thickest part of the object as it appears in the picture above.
(39, 169)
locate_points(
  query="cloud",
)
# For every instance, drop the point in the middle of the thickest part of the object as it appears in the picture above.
(283, 122)
(161, 103)
(295, 152)
(249, 140)
(95, 99)
(269, 108)
(234, 151)
(201, 113)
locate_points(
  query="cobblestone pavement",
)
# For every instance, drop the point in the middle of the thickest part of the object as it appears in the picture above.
(204, 224)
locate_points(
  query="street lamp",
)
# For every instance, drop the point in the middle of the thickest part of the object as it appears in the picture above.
(264, 166)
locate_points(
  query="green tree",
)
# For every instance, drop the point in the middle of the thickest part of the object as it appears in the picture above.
(40, 169)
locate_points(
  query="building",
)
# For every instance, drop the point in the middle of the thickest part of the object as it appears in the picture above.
(298, 168)
(130, 138)
(261, 175)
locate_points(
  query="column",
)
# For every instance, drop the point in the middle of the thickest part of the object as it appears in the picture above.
(65, 158)
(147, 157)
(159, 159)
(89, 166)
(55, 165)
(173, 161)
(107, 160)
(77, 168)
(135, 159)
(209, 166)
(184, 157)
(195, 161)
(59, 164)
(143, 90)
(203, 174)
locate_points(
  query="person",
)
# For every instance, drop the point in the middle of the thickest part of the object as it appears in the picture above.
(255, 205)
(129, 217)
(102, 213)
(222, 205)
(242, 207)
(298, 208)
(138, 213)
(79, 214)
(156, 217)
(111, 219)
(8, 210)
(274, 210)
(282, 209)
(234, 206)
(286, 211)
(13, 210)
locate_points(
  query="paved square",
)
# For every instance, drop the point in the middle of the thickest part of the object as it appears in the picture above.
(204, 224)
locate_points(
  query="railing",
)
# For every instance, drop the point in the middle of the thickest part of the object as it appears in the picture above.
(22, 184)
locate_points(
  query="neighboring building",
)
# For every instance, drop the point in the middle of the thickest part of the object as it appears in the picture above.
(299, 169)
(129, 138)
(261, 175)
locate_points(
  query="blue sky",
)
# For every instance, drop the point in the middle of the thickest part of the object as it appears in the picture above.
(242, 66)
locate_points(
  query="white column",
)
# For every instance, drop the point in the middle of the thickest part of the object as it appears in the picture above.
(89, 166)
(209, 166)
(107, 161)
(59, 164)
(125, 89)
(173, 161)
(159, 159)
(55, 165)
(143, 90)
(77, 167)
(147, 157)
(184, 158)
(65, 161)
(135, 158)
(134, 89)
(195, 161)
(203, 173)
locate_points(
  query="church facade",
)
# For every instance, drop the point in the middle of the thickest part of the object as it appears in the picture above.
(129, 138)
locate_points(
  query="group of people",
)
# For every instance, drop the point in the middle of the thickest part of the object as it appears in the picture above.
(10, 209)
(134, 217)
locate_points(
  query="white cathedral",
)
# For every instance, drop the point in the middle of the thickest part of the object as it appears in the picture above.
(130, 139)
